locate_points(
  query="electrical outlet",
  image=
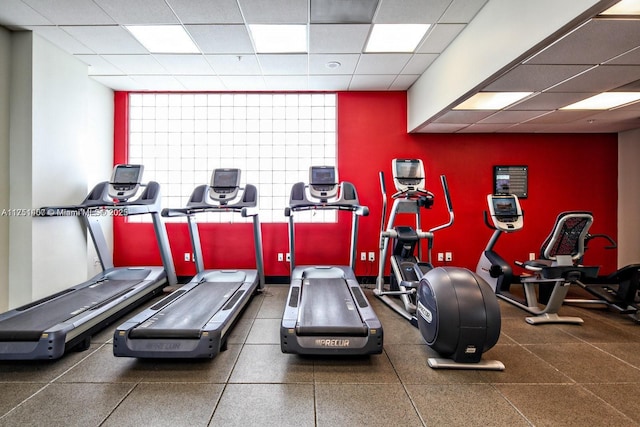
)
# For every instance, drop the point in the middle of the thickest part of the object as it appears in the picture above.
(280, 256)
(448, 256)
(187, 256)
(440, 256)
(372, 256)
(532, 256)
(363, 256)
(193, 257)
(288, 257)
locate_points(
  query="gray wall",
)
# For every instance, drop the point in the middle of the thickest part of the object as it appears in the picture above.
(629, 198)
(5, 55)
(60, 137)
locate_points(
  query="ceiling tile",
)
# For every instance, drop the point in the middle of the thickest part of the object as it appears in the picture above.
(70, 12)
(442, 128)
(106, 39)
(463, 116)
(287, 83)
(410, 11)
(16, 13)
(404, 81)
(60, 38)
(549, 101)
(283, 65)
(136, 64)
(382, 63)
(207, 11)
(462, 11)
(185, 64)
(371, 82)
(135, 12)
(99, 66)
(341, 11)
(201, 83)
(534, 78)
(125, 83)
(561, 116)
(631, 57)
(159, 83)
(318, 63)
(274, 11)
(484, 128)
(338, 38)
(418, 63)
(221, 38)
(243, 83)
(329, 82)
(509, 116)
(584, 45)
(600, 79)
(440, 37)
(240, 65)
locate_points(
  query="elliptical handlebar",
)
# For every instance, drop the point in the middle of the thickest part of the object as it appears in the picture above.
(384, 201)
(447, 196)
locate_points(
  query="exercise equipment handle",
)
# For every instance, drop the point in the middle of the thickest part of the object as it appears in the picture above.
(447, 196)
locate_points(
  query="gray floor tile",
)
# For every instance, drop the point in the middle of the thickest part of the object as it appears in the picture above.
(273, 302)
(623, 397)
(562, 405)
(167, 404)
(265, 331)
(68, 405)
(364, 405)
(267, 364)
(463, 405)
(522, 332)
(14, 393)
(276, 405)
(374, 369)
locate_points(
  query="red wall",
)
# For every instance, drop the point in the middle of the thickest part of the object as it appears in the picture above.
(566, 172)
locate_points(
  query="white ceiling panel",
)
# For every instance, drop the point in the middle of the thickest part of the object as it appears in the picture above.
(484, 128)
(382, 63)
(61, 38)
(125, 83)
(221, 38)
(136, 12)
(442, 127)
(283, 65)
(561, 116)
(287, 83)
(329, 83)
(99, 66)
(462, 11)
(136, 64)
(318, 63)
(274, 11)
(600, 79)
(16, 13)
(201, 83)
(508, 116)
(240, 65)
(70, 12)
(464, 116)
(371, 82)
(185, 64)
(158, 82)
(418, 63)
(584, 45)
(337, 38)
(534, 78)
(550, 101)
(244, 83)
(207, 11)
(106, 39)
(404, 81)
(410, 11)
(439, 37)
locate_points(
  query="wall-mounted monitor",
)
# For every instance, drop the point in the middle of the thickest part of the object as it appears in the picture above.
(511, 180)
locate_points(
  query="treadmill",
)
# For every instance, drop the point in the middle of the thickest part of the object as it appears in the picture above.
(195, 320)
(326, 312)
(47, 328)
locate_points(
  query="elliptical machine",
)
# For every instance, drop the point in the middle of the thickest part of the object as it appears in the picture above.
(456, 311)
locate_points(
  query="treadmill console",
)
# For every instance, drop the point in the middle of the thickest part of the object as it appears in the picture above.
(506, 213)
(125, 181)
(408, 175)
(225, 183)
(323, 182)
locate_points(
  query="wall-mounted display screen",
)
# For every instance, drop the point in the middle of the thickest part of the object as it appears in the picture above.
(511, 180)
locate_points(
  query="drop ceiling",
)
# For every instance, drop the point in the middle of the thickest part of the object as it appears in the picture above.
(600, 54)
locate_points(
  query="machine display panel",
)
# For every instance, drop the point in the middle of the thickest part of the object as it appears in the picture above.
(226, 178)
(505, 207)
(511, 180)
(322, 175)
(127, 174)
(408, 169)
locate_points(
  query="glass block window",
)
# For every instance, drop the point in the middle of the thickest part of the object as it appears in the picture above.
(273, 138)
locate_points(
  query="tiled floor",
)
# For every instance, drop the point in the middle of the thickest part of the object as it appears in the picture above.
(556, 375)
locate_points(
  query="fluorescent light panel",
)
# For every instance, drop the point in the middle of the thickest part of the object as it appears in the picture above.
(491, 100)
(624, 7)
(163, 38)
(604, 101)
(395, 37)
(279, 38)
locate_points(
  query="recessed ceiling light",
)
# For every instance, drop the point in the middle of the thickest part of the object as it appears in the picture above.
(395, 37)
(333, 65)
(163, 38)
(491, 100)
(624, 7)
(604, 101)
(279, 38)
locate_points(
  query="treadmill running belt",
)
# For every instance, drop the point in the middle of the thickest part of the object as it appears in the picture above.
(29, 325)
(186, 316)
(327, 308)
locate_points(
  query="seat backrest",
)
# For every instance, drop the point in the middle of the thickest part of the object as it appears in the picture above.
(568, 236)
